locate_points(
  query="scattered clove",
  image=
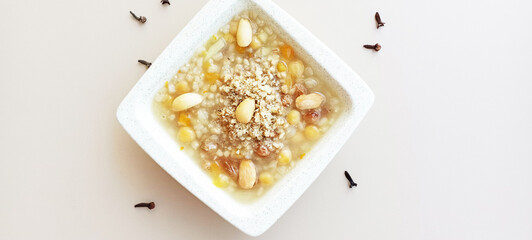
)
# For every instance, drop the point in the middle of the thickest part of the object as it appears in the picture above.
(141, 19)
(165, 2)
(150, 205)
(144, 62)
(379, 21)
(375, 47)
(351, 182)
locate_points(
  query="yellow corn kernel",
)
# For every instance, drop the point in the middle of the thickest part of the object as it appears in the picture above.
(266, 178)
(183, 119)
(287, 52)
(214, 169)
(212, 77)
(311, 132)
(186, 134)
(255, 43)
(281, 66)
(168, 100)
(229, 38)
(293, 117)
(298, 138)
(233, 27)
(285, 156)
(263, 36)
(288, 82)
(296, 68)
(221, 181)
(182, 87)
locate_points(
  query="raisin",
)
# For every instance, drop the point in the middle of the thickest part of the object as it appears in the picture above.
(230, 166)
(262, 151)
(286, 100)
(300, 90)
(312, 116)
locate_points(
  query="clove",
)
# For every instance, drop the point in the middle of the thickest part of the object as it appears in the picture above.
(375, 47)
(351, 182)
(144, 62)
(150, 205)
(379, 21)
(141, 19)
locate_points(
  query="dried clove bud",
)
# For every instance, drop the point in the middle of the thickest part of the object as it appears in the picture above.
(141, 19)
(379, 21)
(375, 47)
(150, 205)
(351, 182)
(144, 62)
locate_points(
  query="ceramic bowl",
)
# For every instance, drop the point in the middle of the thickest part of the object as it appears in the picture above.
(136, 115)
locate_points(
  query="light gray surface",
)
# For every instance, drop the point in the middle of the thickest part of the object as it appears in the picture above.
(443, 154)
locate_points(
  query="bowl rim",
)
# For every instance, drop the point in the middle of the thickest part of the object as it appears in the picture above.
(262, 215)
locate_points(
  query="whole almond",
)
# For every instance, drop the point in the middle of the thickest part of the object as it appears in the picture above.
(244, 111)
(247, 174)
(244, 34)
(186, 101)
(310, 101)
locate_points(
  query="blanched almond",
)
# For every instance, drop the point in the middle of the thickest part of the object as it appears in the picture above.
(244, 34)
(244, 111)
(309, 101)
(186, 101)
(247, 175)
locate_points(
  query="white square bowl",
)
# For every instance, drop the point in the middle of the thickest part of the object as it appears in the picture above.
(136, 115)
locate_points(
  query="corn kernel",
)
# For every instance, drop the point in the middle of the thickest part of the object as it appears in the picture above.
(263, 36)
(255, 43)
(186, 134)
(311, 132)
(168, 101)
(296, 68)
(183, 119)
(182, 87)
(214, 169)
(293, 117)
(233, 27)
(266, 178)
(281, 66)
(206, 65)
(229, 38)
(287, 52)
(240, 49)
(298, 138)
(221, 181)
(285, 156)
(212, 77)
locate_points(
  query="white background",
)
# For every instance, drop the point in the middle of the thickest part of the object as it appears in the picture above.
(445, 152)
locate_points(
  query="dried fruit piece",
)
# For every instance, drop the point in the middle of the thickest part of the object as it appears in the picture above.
(312, 116)
(262, 151)
(247, 174)
(300, 90)
(229, 166)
